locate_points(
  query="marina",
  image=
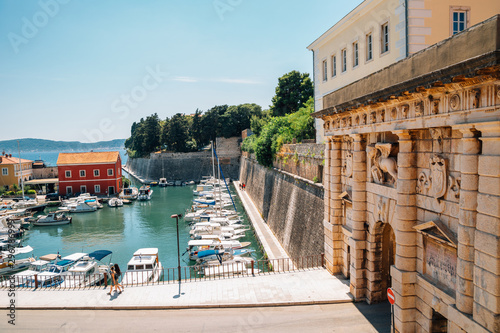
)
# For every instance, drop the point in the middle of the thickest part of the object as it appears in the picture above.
(126, 228)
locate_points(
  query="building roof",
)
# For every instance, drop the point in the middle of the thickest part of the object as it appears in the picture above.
(471, 52)
(12, 160)
(88, 158)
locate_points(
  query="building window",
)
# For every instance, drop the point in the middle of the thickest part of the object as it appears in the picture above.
(344, 60)
(355, 54)
(97, 188)
(459, 21)
(69, 190)
(96, 173)
(5, 171)
(385, 37)
(369, 47)
(110, 172)
(325, 71)
(68, 174)
(83, 189)
(82, 173)
(334, 65)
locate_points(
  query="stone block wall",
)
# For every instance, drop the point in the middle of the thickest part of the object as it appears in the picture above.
(189, 166)
(305, 160)
(292, 207)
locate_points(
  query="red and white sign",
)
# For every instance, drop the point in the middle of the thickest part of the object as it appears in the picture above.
(390, 296)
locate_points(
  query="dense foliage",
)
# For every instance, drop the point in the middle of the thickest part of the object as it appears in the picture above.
(293, 90)
(185, 133)
(279, 130)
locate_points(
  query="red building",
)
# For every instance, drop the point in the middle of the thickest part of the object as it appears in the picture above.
(98, 173)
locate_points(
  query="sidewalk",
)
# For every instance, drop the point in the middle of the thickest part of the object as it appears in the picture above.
(271, 245)
(315, 286)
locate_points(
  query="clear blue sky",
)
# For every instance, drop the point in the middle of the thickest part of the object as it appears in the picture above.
(86, 70)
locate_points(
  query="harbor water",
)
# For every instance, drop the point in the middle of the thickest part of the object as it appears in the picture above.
(123, 230)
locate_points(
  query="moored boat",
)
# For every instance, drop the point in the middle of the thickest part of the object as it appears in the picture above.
(129, 193)
(145, 193)
(115, 202)
(144, 267)
(56, 218)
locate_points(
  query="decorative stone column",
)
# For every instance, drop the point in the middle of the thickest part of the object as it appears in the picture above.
(358, 240)
(326, 199)
(335, 167)
(467, 218)
(403, 273)
(486, 307)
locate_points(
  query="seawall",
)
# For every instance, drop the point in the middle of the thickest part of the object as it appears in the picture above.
(188, 166)
(291, 206)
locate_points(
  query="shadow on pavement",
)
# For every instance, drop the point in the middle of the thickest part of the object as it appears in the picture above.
(379, 315)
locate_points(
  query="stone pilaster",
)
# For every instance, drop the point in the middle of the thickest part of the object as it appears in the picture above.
(467, 218)
(486, 307)
(406, 237)
(326, 199)
(358, 240)
(336, 202)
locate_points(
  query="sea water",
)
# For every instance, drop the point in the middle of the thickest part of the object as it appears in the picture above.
(123, 230)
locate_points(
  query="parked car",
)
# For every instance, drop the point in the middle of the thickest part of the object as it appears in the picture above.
(52, 197)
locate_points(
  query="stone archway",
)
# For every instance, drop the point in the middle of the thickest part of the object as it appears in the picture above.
(388, 257)
(380, 260)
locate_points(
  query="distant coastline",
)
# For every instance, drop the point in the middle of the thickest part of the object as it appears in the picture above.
(41, 145)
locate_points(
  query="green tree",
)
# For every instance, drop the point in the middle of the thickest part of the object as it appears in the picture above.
(195, 131)
(293, 90)
(177, 133)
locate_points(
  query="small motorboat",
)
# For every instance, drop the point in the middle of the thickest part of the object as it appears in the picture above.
(56, 218)
(144, 267)
(9, 265)
(153, 183)
(129, 193)
(145, 193)
(115, 202)
(163, 182)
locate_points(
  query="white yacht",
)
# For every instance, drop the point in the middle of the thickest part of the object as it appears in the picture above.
(115, 202)
(144, 267)
(56, 218)
(129, 193)
(145, 193)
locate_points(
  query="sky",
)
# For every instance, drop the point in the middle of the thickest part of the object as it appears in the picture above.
(85, 70)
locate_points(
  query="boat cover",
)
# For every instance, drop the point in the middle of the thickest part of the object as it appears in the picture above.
(18, 250)
(99, 254)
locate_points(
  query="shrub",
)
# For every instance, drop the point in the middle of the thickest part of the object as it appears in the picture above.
(315, 179)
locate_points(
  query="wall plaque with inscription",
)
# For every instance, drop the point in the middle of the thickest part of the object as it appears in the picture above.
(440, 263)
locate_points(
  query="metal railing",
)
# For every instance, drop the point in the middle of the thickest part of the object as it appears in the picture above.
(166, 275)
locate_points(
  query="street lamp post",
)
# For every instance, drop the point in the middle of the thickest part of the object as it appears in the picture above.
(176, 217)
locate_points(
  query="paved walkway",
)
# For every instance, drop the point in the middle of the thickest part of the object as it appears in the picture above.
(315, 286)
(271, 245)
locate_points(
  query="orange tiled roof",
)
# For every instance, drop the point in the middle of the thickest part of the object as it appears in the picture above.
(88, 158)
(13, 160)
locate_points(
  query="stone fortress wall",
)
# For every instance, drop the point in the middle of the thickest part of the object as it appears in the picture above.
(189, 166)
(289, 204)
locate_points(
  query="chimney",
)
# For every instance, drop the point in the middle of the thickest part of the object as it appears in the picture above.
(10, 155)
(0, 159)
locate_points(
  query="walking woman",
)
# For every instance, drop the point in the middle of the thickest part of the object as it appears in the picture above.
(118, 273)
(114, 280)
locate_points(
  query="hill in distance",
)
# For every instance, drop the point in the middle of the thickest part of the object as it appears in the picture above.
(41, 145)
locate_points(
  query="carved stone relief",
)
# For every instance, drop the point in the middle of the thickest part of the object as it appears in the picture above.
(384, 169)
(438, 176)
(348, 162)
(419, 109)
(382, 115)
(454, 102)
(373, 118)
(454, 186)
(404, 111)
(476, 98)
(394, 113)
(437, 134)
(435, 106)
(381, 209)
(364, 119)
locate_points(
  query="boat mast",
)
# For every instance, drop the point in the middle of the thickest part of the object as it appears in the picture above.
(20, 169)
(213, 161)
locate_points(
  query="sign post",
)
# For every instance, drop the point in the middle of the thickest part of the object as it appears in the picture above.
(392, 299)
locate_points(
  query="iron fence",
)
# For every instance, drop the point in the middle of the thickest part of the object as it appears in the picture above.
(243, 268)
